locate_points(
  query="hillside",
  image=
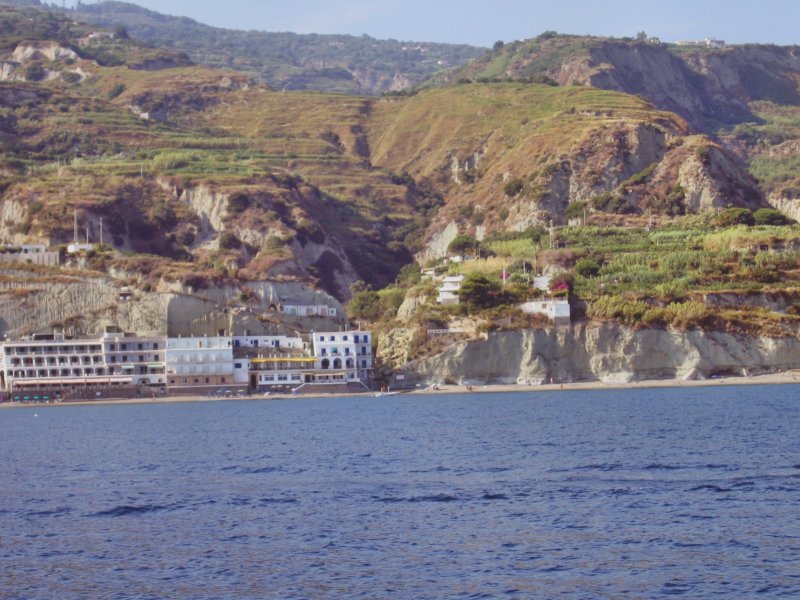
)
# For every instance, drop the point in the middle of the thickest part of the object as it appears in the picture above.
(333, 63)
(709, 87)
(511, 156)
(235, 196)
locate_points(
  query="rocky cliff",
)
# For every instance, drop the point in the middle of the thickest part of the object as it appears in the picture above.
(607, 352)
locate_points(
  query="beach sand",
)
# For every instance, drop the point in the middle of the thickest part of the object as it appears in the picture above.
(787, 377)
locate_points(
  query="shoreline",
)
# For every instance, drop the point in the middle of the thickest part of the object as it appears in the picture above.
(783, 378)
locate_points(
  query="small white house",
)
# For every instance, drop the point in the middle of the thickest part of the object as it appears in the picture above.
(448, 291)
(76, 247)
(555, 309)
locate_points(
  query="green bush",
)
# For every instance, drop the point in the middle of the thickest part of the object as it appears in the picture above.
(770, 216)
(513, 187)
(480, 291)
(575, 210)
(35, 72)
(734, 216)
(462, 244)
(116, 91)
(586, 267)
(229, 241)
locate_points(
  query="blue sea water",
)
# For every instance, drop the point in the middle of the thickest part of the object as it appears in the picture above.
(593, 494)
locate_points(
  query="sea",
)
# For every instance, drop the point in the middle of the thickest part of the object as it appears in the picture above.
(637, 493)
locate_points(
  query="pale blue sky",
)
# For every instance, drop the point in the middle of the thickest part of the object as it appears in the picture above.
(482, 22)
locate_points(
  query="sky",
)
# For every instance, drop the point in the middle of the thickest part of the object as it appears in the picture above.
(482, 22)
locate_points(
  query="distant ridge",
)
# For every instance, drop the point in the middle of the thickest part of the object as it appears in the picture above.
(333, 63)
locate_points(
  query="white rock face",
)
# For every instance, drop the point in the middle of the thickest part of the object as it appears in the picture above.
(437, 246)
(609, 353)
(51, 51)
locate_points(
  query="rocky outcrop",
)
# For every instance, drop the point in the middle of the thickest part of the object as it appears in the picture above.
(606, 352)
(52, 51)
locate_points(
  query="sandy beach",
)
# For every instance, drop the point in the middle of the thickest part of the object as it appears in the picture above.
(787, 377)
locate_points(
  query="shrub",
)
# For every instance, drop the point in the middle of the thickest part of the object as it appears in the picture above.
(116, 91)
(734, 216)
(513, 187)
(685, 314)
(627, 311)
(35, 72)
(586, 267)
(364, 304)
(229, 241)
(770, 216)
(575, 210)
(238, 202)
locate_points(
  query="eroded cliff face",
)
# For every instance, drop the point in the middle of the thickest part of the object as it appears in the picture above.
(606, 352)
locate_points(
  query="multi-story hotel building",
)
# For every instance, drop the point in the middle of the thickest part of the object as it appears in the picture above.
(53, 361)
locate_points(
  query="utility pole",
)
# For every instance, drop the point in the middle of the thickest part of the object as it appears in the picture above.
(75, 226)
(551, 234)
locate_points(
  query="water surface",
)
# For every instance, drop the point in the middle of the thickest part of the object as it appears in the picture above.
(638, 493)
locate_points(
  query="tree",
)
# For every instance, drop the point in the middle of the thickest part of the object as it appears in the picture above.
(462, 244)
(770, 216)
(479, 291)
(498, 45)
(641, 36)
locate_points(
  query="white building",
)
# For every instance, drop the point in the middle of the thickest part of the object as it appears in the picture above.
(343, 355)
(555, 309)
(281, 371)
(54, 362)
(448, 291)
(197, 364)
(268, 341)
(308, 310)
(78, 247)
(141, 358)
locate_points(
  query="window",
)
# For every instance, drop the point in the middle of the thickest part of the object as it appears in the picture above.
(124, 358)
(344, 338)
(322, 338)
(355, 338)
(331, 338)
(141, 357)
(155, 346)
(141, 347)
(363, 364)
(123, 346)
(237, 365)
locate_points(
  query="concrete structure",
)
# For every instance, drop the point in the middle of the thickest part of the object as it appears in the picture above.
(555, 309)
(448, 291)
(343, 356)
(36, 254)
(199, 364)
